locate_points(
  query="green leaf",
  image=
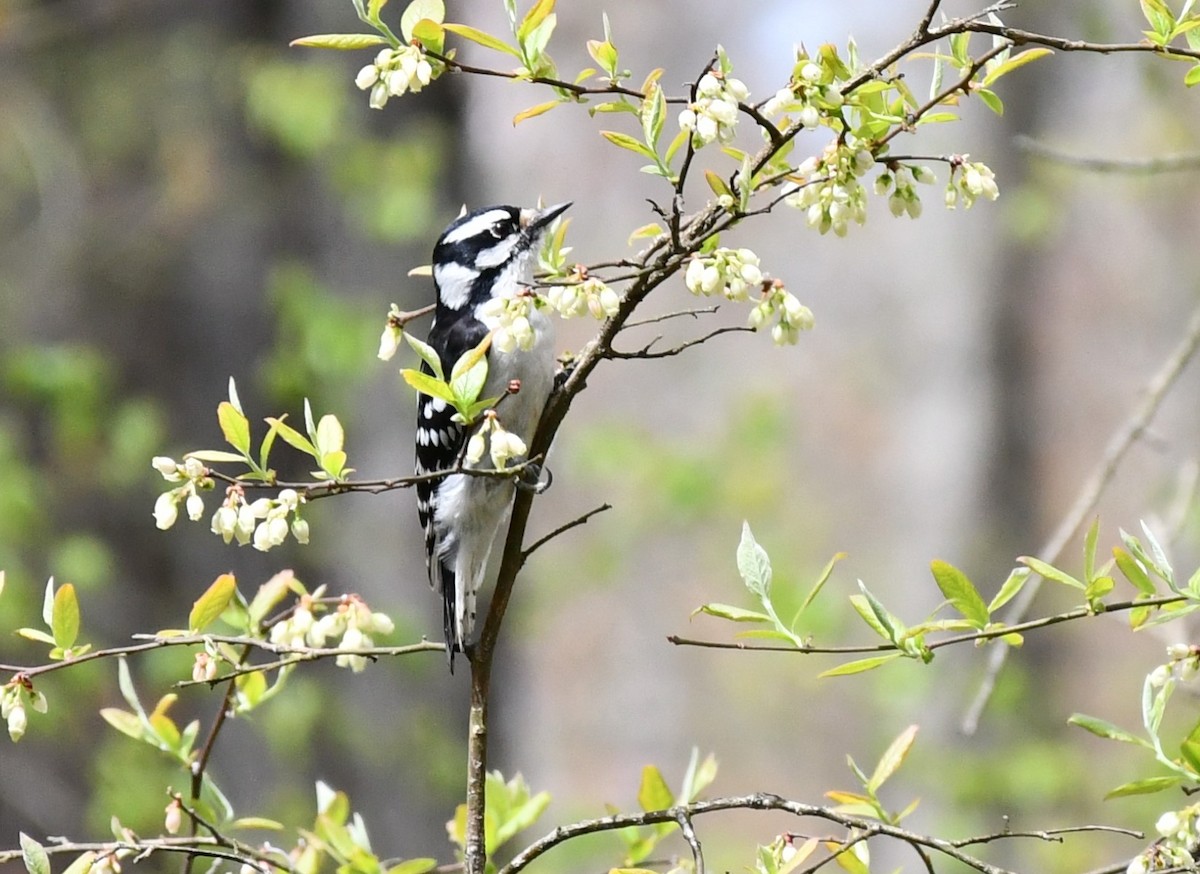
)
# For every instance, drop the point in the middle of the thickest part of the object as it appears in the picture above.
(892, 758)
(215, 455)
(654, 111)
(1016, 579)
(256, 822)
(605, 54)
(875, 614)
(654, 794)
(235, 426)
(733, 614)
(650, 230)
(36, 634)
(1015, 62)
(535, 111)
(123, 721)
(331, 437)
(418, 10)
(537, 13)
(1158, 15)
(1192, 77)
(212, 603)
(34, 856)
(484, 39)
(1144, 787)
(414, 866)
(340, 41)
(427, 354)
(82, 864)
(374, 7)
(1190, 748)
(428, 385)
(859, 665)
(625, 141)
(291, 436)
(65, 621)
(1089, 549)
(1133, 571)
(991, 100)
(431, 35)
(960, 592)
(1103, 728)
(1050, 572)
(753, 563)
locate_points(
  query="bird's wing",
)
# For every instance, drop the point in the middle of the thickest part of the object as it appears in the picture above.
(439, 443)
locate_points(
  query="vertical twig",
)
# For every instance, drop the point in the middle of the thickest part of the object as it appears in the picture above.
(1085, 503)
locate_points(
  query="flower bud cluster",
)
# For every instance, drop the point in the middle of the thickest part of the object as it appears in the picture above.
(1184, 663)
(194, 478)
(586, 295)
(898, 183)
(714, 113)
(507, 315)
(503, 446)
(393, 73)
(351, 624)
(263, 522)
(13, 699)
(968, 181)
(793, 316)
(829, 190)
(1176, 850)
(731, 272)
(393, 332)
(805, 97)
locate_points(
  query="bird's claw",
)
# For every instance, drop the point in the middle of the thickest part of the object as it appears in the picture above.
(530, 478)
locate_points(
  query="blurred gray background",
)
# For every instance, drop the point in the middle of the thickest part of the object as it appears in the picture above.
(184, 198)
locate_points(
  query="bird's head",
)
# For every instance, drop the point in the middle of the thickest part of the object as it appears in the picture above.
(483, 247)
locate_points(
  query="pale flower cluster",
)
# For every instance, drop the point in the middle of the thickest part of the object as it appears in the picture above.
(900, 186)
(351, 624)
(1180, 837)
(1184, 663)
(792, 316)
(393, 332)
(263, 522)
(194, 476)
(590, 295)
(393, 73)
(801, 98)
(503, 446)
(969, 181)
(507, 315)
(12, 708)
(714, 114)
(730, 272)
(829, 191)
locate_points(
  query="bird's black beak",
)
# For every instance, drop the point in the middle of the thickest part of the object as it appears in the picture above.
(534, 221)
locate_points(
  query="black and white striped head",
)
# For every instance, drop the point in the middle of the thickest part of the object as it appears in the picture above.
(484, 250)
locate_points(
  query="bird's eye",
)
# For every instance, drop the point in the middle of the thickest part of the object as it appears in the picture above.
(495, 232)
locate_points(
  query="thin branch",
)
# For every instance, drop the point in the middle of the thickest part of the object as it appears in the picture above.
(572, 87)
(1025, 37)
(1052, 834)
(863, 828)
(689, 834)
(963, 85)
(1085, 503)
(645, 352)
(326, 488)
(563, 529)
(1129, 166)
(695, 313)
(153, 642)
(954, 640)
